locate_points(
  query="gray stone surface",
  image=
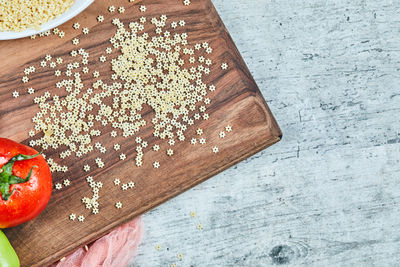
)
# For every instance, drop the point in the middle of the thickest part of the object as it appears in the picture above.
(328, 194)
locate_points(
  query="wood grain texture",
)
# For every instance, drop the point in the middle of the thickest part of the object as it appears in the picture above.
(330, 189)
(237, 102)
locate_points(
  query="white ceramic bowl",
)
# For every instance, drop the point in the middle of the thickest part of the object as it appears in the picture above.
(74, 10)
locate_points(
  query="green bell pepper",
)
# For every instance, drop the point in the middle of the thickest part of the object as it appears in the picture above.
(8, 257)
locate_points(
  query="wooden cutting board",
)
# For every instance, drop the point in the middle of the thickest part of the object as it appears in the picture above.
(236, 102)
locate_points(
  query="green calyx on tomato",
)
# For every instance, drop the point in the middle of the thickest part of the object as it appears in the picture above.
(8, 257)
(7, 178)
(32, 193)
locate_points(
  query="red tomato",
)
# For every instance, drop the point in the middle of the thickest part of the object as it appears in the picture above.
(22, 199)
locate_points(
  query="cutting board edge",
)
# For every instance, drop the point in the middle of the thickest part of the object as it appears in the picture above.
(62, 253)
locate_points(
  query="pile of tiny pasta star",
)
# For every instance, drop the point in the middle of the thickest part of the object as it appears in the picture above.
(162, 73)
(18, 15)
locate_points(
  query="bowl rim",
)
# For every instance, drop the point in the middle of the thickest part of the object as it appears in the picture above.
(77, 7)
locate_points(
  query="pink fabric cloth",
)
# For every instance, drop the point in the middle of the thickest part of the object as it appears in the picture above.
(117, 249)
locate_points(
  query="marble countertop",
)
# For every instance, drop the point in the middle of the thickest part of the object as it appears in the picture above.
(328, 193)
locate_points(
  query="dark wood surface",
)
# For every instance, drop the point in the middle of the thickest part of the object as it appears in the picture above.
(237, 101)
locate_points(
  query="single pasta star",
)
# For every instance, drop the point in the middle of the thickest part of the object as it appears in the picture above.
(117, 181)
(222, 134)
(124, 187)
(58, 186)
(224, 66)
(228, 128)
(66, 182)
(72, 216)
(15, 94)
(202, 141)
(122, 156)
(86, 168)
(121, 9)
(156, 165)
(81, 218)
(131, 184)
(170, 152)
(118, 205)
(215, 149)
(143, 8)
(199, 131)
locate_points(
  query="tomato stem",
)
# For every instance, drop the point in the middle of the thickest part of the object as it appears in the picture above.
(7, 178)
